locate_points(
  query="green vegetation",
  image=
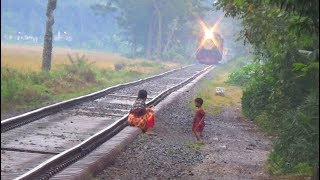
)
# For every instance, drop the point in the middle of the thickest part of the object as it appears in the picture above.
(296, 126)
(195, 145)
(25, 90)
(214, 104)
(281, 89)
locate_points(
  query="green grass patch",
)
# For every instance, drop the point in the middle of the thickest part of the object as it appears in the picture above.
(213, 104)
(278, 167)
(195, 145)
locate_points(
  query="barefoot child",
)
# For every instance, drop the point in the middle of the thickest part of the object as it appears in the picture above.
(140, 115)
(198, 121)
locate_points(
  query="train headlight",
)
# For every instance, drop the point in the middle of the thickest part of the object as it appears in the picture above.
(208, 34)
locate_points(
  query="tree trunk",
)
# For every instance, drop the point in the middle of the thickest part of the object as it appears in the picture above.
(47, 47)
(171, 33)
(159, 37)
(315, 175)
(153, 43)
(149, 38)
(159, 40)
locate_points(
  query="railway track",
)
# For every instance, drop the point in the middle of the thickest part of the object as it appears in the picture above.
(41, 143)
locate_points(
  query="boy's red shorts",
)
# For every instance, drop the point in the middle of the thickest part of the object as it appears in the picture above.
(197, 127)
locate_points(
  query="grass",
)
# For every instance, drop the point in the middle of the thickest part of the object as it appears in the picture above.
(214, 104)
(277, 167)
(24, 86)
(29, 58)
(195, 145)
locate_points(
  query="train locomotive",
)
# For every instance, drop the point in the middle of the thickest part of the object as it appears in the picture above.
(210, 50)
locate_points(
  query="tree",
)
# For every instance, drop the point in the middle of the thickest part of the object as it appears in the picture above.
(283, 93)
(155, 27)
(47, 47)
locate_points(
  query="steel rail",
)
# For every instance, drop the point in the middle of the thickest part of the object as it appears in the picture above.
(31, 116)
(58, 162)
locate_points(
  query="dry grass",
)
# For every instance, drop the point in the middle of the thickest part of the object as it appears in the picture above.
(24, 86)
(28, 58)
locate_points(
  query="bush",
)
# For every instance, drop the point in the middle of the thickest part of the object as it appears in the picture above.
(256, 93)
(298, 140)
(263, 120)
(118, 66)
(296, 125)
(81, 67)
(243, 75)
(278, 166)
(11, 83)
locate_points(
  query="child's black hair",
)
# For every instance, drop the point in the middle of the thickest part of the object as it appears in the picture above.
(199, 100)
(142, 94)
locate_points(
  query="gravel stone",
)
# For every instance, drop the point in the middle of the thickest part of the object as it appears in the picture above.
(172, 154)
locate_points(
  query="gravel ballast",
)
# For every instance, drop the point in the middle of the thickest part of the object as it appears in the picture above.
(234, 148)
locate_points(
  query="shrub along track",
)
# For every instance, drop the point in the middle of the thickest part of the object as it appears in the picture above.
(53, 133)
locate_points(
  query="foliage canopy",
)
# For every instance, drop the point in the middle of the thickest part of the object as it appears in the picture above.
(281, 91)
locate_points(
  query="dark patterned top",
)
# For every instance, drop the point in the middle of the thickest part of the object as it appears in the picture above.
(139, 107)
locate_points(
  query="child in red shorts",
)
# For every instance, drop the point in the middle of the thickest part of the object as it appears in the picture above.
(198, 121)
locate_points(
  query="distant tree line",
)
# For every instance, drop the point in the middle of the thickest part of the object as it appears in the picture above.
(78, 20)
(157, 29)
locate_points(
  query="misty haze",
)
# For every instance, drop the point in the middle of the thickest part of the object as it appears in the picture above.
(159, 89)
